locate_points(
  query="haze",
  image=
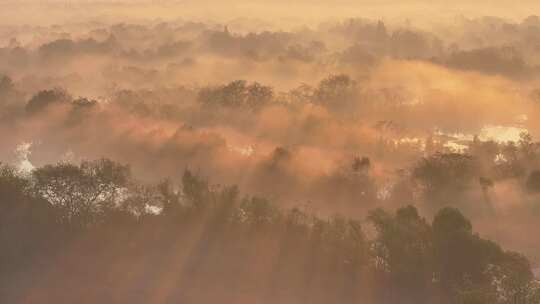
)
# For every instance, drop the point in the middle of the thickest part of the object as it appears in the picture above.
(246, 152)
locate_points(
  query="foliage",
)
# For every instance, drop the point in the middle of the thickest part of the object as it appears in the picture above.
(237, 94)
(94, 218)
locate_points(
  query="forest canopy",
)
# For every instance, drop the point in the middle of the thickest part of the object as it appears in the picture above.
(143, 241)
(327, 151)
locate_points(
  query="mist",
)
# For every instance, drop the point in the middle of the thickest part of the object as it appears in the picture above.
(123, 122)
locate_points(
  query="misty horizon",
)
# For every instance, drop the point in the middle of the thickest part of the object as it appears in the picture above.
(293, 152)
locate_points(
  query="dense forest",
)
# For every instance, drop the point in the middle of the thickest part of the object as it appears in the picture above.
(325, 151)
(90, 233)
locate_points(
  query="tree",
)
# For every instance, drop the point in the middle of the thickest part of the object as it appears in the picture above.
(237, 94)
(45, 98)
(336, 91)
(258, 95)
(463, 259)
(196, 190)
(403, 249)
(258, 212)
(27, 223)
(445, 175)
(278, 254)
(512, 279)
(82, 191)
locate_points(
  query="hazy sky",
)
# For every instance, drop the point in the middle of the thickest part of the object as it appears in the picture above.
(280, 12)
